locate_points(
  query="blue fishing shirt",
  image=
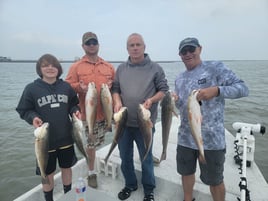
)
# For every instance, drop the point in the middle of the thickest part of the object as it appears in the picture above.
(207, 74)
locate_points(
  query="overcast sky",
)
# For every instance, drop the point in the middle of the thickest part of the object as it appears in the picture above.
(227, 29)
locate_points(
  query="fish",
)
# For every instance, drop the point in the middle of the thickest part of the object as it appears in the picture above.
(145, 125)
(78, 136)
(41, 149)
(91, 101)
(120, 120)
(195, 121)
(107, 105)
(167, 111)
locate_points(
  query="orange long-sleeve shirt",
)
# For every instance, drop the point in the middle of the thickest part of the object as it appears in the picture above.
(86, 71)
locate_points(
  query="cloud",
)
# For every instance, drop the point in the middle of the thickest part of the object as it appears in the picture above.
(226, 29)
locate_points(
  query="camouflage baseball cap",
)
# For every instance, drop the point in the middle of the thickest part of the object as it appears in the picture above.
(87, 36)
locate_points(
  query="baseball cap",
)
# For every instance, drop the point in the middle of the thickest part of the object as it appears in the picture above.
(188, 42)
(87, 36)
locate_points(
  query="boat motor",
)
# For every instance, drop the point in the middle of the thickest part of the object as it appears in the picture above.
(245, 148)
(257, 128)
(245, 131)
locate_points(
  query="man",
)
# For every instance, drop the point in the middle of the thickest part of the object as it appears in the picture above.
(137, 81)
(91, 68)
(214, 82)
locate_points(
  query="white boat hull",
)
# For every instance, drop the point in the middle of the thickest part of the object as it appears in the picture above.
(168, 181)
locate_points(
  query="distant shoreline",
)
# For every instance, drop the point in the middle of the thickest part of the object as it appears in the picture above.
(70, 61)
(32, 61)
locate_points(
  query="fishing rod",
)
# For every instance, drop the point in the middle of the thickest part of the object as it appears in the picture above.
(245, 146)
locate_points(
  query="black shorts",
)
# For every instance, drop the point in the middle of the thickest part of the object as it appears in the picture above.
(66, 159)
(211, 172)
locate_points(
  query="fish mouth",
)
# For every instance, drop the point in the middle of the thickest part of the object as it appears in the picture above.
(195, 92)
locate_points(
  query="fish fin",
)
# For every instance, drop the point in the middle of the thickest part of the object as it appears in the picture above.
(156, 161)
(190, 115)
(45, 180)
(175, 113)
(116, 124)
(151, 124)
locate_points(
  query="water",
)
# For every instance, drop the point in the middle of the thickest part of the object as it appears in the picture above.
(17, 158)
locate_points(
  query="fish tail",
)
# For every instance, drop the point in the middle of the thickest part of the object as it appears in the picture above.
(108, 128)
(202, 159)
(87, 160)
(106, 159)
(163, 156)
(45, 180)
(145, 156)
(156, 161)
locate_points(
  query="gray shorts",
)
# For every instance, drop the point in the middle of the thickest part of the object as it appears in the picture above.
(98, 132)
(211, 172)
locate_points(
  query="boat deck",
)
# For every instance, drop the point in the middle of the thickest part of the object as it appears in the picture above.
(168, 181)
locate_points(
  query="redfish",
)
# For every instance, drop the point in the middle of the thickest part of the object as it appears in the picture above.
(107, 105)
(167, 111)
(41, 149)
(91, 106)
(145, 125)
(195, 121)
(120, 119)
(78, 136)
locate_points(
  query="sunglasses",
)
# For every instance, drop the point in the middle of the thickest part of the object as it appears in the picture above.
(186, 49)
(91, 42)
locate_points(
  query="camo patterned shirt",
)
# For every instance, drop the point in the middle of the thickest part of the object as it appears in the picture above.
(207, 74)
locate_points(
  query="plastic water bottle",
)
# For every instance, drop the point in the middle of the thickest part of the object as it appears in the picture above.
(80, 190)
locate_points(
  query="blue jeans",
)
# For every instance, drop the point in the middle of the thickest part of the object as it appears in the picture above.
(125, 146)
